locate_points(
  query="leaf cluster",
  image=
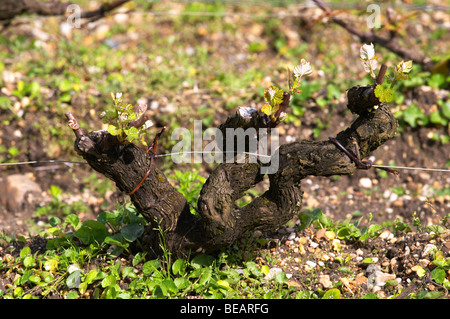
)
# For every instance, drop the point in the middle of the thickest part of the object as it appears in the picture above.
(120, 119)
(190, 185)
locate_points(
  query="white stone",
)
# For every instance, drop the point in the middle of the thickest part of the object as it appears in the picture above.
(272, 273)
(72, 268)
(313, 244)
(365, 182)
(429, 248)
(292, 236)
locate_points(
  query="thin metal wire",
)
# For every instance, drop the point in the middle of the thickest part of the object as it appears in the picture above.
(413, 168)
(39, 162)
(202, 152)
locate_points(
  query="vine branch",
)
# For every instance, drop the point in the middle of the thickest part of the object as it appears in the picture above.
(390, 43)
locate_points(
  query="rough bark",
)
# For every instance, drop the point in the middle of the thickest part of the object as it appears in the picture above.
(220, 222)
(9, 9)
(12, 8)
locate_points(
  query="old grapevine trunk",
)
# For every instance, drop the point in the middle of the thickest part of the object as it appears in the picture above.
(220, 222)
(9, 9)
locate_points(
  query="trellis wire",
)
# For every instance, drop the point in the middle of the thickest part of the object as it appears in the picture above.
(202, 152)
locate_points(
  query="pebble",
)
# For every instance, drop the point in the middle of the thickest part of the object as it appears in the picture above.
(365, 182)
(429, 249)
(15, 191)
(386, 235)
(325, 281)
(424, 262)
(101, 31)
(372, 268)
(72, 268)
(66, 29)
(272, 272)
(378, 278)
(292, 236)
(313, 244)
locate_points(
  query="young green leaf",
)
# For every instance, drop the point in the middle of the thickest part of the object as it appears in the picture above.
(383, 94)
(151, 266)
(74, 279)
(91, 231)
(333, 293)
(132, 232)
(438, 275)
(179, 267)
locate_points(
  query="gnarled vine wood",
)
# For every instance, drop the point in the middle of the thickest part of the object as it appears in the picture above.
(220, 222)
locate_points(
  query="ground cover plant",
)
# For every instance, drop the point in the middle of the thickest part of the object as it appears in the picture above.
(324, 252)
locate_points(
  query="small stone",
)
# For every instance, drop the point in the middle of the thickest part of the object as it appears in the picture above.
(72, 268)
(25, 101)
(272, 273)
(378, 278)
(386, 235)
(375, 289)
(292, 236)
(429, 249)
(321, 233)
(16, 190)
(325, 281)
(66, 29)
(372, 268)
(360, 279)
(313, 244)
(424, 262)
(397, 203)
(101, 31)
(121, 18)
(365, 182)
